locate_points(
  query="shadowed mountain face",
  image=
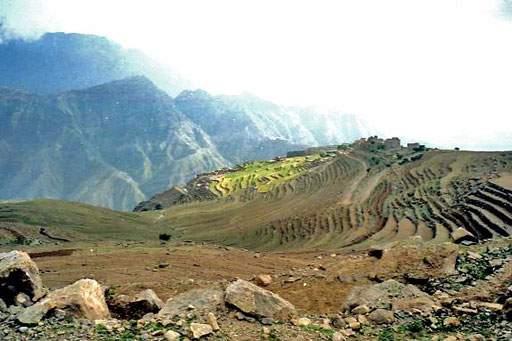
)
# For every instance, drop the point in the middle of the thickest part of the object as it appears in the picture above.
(119, 143)
(60, 62)
(110, 145)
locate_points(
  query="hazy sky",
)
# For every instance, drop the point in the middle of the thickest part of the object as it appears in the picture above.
(435, 70)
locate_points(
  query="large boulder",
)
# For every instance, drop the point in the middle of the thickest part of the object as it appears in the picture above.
(389, 294)
(83, 299)
(126, 307)
(19, 274)
(196, 300)
(254, 300)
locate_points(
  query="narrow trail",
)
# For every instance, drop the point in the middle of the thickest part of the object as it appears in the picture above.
(348, 196)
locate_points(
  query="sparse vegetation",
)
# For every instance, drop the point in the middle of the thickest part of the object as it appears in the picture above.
(164, 237)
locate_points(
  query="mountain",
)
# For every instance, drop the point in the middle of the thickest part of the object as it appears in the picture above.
(246, 125)
(59, 62)
(118, 143)
(110, 145)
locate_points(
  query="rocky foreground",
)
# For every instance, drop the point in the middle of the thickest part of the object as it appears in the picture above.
(422, 291)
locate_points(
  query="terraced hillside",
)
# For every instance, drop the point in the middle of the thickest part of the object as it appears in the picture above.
(343, 199)
(352, 199)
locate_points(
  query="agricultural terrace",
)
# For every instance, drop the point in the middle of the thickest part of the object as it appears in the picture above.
(262, 175)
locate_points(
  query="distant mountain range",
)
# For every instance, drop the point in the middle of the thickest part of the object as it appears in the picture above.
(60, 62)
(119, 142)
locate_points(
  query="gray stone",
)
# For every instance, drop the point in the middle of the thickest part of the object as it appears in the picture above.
(361, 309)
(386, 293)
(198, 330)
(18, 273)
(381, 316)
(23, 300)
(203, 300)
(254, 300)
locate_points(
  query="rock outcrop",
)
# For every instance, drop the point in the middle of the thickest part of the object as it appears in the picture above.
(19, 274)
(254, 300)
(197, 300)
(390, 294)
(126, 307)
(84, 298)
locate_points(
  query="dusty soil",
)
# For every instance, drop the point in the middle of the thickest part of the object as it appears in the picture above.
(129, 268)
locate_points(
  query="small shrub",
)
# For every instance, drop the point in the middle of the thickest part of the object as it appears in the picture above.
(413, 327)
(416, 157)
(273, 335)
(312, 328)
(101, 329)
(164, 237)
(386, 335)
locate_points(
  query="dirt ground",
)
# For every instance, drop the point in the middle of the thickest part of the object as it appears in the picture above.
(308, 280)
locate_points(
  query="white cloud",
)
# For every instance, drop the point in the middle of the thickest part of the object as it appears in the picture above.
(437, 70)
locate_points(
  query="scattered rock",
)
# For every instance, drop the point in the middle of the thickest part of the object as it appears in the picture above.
(324, 324)
(361, 309)
(451, 321)
(348, 332)
(385, 294)
(263, 280)
(362, 319)
(461, 235)
(198, 330)
(109, 324)
(292, 279)
(464, 310)
(337, 336)
(203, 300)
(18, 273)
(171, 335)
(473, 255)
(266, 321)
(134, 308)
(22, 300)
(212, 320)
(254, 300)
(381, 316)
(491, 306)
(301, 321)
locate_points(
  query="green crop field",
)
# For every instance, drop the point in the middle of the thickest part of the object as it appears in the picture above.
(261, 175)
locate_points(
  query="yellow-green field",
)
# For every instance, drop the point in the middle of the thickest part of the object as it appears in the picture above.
(261, 175)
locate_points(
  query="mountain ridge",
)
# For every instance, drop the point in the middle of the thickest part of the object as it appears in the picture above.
(118, 143)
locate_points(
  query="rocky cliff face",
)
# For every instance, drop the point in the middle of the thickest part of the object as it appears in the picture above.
(110, 145)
